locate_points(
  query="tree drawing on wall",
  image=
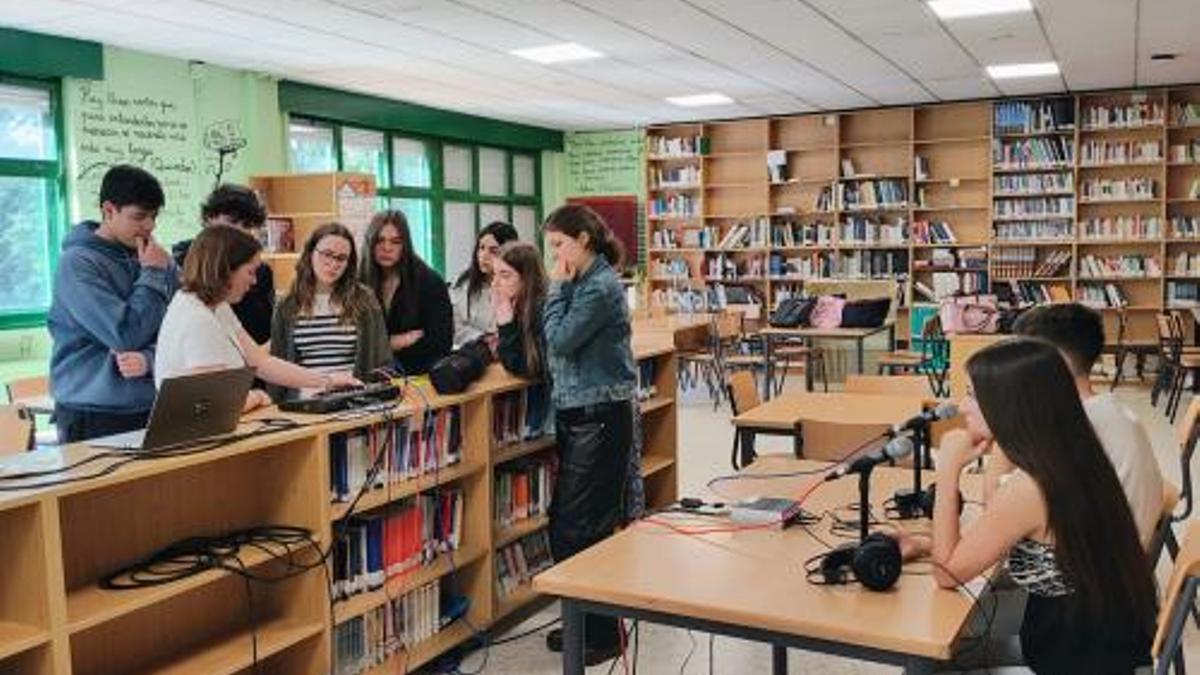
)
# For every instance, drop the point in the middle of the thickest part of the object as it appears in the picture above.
(224, 138)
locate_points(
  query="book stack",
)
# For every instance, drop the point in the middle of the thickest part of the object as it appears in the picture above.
(669, 268)
(523, 489)
(686, 176)
(410, 535)
(664, 238)
(704, 237)
(1100, 296)
(417, 445)
(933, 232)
(1115, 153)
(280, 235)
(1186, 264)
(726, 268)
(1185, 153)
(816, 265)
(797, 234)
(949, 284)
(871, 194)
(1019, 230)
(1030, 117)
(873, 265)
(824, 203)
(1032, 184)
(1185, 114)
(516, 564)
(688, 300)
(365, 641)
(747, 234)
(920, 167)
(1039, 293)
(1125, 116)
(521, 415)
(647, 370)
(1121, 227)
(860, 230)
(678, 146)
(1183, 294)
(1185, 227)
(1117, 189)
(1131, 265)
(1022, 263)
(1034, 207)
(1033, 153)
(674, 206)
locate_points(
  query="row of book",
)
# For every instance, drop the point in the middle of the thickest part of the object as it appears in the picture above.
(1185, 227)
(677, 146)
(520, 415)
(701, 237)
(1185, 153)
(278, 235)
(664, 237)
(1038, 292)
(1183, 294)
(722, 266)
(949, 284)
(1020, 262)
(861, 230)
(920, 167)
(682, 300)
(868, 194)
(803, 234)
(414, 446)
(1135, 265)
(1103, 189)
(366, 641)
(1193, 191)
(1035, 206)
(933, 232)
(687, 175)
(950, 258)
(717, 296)
(524, 489)
(670, 268)
(839, 265)
(1121, 227)
(1032, 153)
(517, 563)
(1021, 184)
(1186, 264)
(1018, 230)
(747, 234)
(1101, 295)
(1123, 116)
(674, 206)
(408, 536)
(1185, 114)
(1110, 153)
(647, 372)
(1028, 117)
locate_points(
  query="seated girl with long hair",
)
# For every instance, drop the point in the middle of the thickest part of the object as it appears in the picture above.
(517, 296)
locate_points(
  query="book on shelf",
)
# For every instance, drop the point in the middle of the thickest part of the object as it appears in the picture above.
(868, 194)
(1185, 114)
(863, 230)
(1106, 189)
(920, 167)
(1122, 116)
(1033, 153)
(1034, 292)
(1183, 294)
(1184, 153)
(677, 146)
(674, 206)
(1121, 227)
(363, 642)
(848, 170)
(1034, 207)
(411, 447)
(524, 488)
(517, 563)
(647, 371)
(1019, 230)
(280, 235)
(1101, 295)
(1028, 117)
(1185, 227)
(1022, 262)
(933, 232)
(1115, 153)
(752, 233)
(1130, 265)
(520, 415)
(1032, 184)
(1186, 264)
(666, 177)
(777, 166)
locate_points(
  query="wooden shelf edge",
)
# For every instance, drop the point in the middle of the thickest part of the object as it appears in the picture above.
(18, 637)
(652, 464)
(233, 654)
(513, 451)
(655, 403)
(378, 497)
(409, 660)
(361, 603)
(504, 535)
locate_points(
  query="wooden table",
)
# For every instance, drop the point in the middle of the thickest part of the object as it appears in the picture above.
(751, 584)
(38, 405)
(858, 335)
(862, 415)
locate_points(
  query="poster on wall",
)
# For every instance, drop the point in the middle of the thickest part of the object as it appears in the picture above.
(356, 203)
(605, 163)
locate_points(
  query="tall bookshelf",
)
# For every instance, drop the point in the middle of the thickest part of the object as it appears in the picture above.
(1092, 196)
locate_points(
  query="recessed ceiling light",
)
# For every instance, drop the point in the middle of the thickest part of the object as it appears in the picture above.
(1013, 70)
(959, 9)
(697, 100)
(559, 53)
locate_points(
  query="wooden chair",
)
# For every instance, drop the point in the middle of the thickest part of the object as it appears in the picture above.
(742, 391)
(16, 429)
(1176, 363)
(1178, 601)
(1118, 349)
(932, 359)
(789, 354)
(704, 365)
(892, 385)
(27, 387)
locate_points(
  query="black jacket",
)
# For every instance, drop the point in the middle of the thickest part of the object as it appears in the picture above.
(434, 315)
(510, 347)
(256, 308)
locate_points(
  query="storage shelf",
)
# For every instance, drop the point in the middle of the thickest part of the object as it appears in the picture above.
(981, 207)
(812, 180)
(652, 464)
(357, 605)
(675, 188)
(958, 139)
(18, 637)
(398, 490)
(873, 176)
(809, 148)
(655, 403)
(508, 453)
(409, 660)
(952, 244)
(877, 144)
(300, 215)
(1106, 279)
(666, 218)
(1044, 168)
(233, 654)
(1038, 134)
(874, 209)
(672, 158)
(734, 186)
(518, 598)
(1066, 278)
(1125, 165)
(1030, 218)
(1031, 195)
(1125, 242)
(1137, 200)
(1031, 242)
(1134, 127)
(505, 535)
(938, 181)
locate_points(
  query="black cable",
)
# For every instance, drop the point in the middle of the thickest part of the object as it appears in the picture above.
(794, 474)
(527, 633)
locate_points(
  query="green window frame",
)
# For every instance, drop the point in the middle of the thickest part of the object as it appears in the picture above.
(52, 173)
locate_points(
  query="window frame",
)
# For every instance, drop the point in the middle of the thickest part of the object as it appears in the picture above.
(52, 171)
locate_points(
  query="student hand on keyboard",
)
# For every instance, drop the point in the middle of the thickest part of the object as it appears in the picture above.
(341, 381)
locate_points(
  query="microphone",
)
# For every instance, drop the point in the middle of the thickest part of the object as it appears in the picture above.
(943, 411)
(897, 448)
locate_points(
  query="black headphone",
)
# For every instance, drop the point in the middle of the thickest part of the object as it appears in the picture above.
(875, 563)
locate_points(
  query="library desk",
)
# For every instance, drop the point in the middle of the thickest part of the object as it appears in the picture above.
(751, 584)
(838, 421)
(689, 331)
(857, 335)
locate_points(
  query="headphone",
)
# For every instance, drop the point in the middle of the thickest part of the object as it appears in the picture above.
(875, 563)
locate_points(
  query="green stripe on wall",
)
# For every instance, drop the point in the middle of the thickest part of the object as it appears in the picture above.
(38, 55)
(381, 113)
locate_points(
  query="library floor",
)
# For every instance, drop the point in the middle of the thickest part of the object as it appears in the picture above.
(704, 439)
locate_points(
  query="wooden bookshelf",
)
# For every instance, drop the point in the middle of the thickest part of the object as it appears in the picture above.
(943, 155)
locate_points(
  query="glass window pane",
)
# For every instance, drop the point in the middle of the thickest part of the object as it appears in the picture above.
(24, 255)
(525, 220)
(459, 236)
(311, 147)
(26, 123)
(419, 213)
(493, 172)
(410, 162)
(456, 166)
(491, 212)
(523, 175)
(363, 151)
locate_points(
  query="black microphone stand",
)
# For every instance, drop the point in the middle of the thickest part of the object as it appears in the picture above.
(909, 503)
(864, 502)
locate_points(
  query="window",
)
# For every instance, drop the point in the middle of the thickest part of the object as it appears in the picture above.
(410, 163)
(524, 175)
(310, 146)
(459, 222)
(365, 152)
(493, 172)
(489, 212)
(419, 213)
(30, 210)
(457, 169)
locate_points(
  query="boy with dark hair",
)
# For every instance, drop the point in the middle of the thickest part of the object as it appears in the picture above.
(111, 291)
(1078, 332)
(238, 206)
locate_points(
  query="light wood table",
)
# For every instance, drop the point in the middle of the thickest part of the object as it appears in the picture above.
(771, 335)
(751, 584)
(845, 420)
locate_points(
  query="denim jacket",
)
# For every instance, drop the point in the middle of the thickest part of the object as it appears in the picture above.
(587, 331)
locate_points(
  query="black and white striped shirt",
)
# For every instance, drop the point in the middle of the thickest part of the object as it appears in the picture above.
(322, 342)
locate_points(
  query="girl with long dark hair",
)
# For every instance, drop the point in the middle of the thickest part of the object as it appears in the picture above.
(1061, 520)
(471, 295)
(518, 295)
(415, 301)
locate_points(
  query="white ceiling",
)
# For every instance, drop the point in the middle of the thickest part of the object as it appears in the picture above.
(771, 56)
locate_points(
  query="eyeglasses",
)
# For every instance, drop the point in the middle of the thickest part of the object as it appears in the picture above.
(338, 258)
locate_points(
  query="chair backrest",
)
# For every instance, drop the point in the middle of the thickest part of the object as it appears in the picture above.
(1187, 434)
(1176, 606)
(727, 326)
(28, 387)
(16, 429)
(743, 392)
(1168, 343)
(892, 385)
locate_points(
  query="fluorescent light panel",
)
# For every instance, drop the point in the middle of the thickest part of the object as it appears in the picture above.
(959, 9)
(697, 100)
(1014, 70)
(560, 53)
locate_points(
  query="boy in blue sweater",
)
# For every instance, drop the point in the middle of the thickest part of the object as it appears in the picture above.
(111, 291)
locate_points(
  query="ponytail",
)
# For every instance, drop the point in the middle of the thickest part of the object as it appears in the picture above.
(575, 219)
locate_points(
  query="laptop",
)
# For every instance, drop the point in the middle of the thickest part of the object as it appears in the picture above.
(188, 408)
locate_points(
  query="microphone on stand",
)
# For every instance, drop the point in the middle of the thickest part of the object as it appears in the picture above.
(897, 448)
(943, 411)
